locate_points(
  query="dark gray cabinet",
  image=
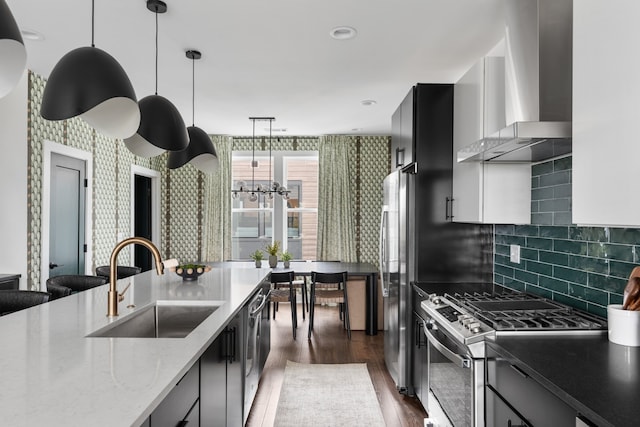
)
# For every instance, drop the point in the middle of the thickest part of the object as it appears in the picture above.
(401, 133)
(221, 377)
(523, 395)
(9, 281)
(178, 407)
(500, 414)
(420, 372)
(419, 378)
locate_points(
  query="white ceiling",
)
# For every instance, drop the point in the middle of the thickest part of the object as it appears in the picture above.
(274, 57)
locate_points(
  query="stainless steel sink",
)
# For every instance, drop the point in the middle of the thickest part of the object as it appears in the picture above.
(163, 319)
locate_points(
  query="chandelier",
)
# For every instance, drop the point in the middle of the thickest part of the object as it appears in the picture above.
(273, 187)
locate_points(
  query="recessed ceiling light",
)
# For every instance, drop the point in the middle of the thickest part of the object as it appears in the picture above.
(368, 102)
(32, 35)
(343, 33)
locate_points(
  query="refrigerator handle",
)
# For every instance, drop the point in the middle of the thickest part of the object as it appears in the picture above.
(382, 248)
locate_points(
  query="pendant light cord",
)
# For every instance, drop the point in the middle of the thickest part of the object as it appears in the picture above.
(93, 22)
(156, 50)
(270, 181)
(253, 156)
(193, 91)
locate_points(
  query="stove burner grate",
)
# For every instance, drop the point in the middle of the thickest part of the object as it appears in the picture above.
(515, 310)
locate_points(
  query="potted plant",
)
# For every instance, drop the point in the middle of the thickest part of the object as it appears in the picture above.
(257, 257)
(286, 257)
(273, 249)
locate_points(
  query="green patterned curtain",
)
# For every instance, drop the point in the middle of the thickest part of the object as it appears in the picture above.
(336, 233)
(217, 205)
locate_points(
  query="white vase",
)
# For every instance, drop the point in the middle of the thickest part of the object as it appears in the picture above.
(624, 325)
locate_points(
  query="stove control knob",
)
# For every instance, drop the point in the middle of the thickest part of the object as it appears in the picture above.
(474, 327)
(467, 321)
(462, 318)
(436, 300)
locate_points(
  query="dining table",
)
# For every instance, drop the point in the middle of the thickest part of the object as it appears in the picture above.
(365, 270)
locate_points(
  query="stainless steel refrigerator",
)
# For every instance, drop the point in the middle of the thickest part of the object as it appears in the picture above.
(419, 242)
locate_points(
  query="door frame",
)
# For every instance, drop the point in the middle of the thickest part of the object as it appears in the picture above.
(155, 203)
(50, 148)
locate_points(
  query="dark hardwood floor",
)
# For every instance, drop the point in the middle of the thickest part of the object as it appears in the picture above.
(329, 344)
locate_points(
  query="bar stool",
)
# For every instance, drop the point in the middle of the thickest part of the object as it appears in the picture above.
(284, 291)
(61, 286)
(12, 300)
(330, 288)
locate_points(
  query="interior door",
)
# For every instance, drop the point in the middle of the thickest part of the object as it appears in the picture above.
(142, 220)
(67, 219)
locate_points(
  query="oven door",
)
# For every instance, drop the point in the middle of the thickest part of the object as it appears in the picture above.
(456, 381)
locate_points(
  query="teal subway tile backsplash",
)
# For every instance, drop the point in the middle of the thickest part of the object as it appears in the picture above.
(570, 247)
(584, 267)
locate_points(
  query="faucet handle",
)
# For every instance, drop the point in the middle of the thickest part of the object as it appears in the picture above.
(121, 294)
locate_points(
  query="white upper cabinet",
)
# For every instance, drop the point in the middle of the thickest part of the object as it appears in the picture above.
(485, 192)
(606, 119)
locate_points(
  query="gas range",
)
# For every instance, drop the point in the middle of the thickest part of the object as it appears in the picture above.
(517, 311)
(458, 319)
(473, 316)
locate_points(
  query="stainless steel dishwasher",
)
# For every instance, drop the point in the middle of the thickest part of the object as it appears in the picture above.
(253, 359)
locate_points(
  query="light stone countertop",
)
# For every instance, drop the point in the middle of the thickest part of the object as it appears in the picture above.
(51, 374)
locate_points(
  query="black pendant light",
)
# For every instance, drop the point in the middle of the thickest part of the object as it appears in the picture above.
(90, 83)
(12, 51)
(161, 125)
(200, 151)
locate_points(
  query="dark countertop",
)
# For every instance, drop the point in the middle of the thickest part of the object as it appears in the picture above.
(9, 277)
(598, 378)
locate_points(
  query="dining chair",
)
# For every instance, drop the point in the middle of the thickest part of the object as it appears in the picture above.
(329, 288)
(283, 290)
(300, 282)
(122, 271)
(12, 300)
(61, 286)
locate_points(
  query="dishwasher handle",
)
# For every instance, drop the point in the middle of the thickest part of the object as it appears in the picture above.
(257, 311)
(460, 361)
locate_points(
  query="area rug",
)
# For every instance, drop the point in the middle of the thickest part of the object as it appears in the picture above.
(327, 395)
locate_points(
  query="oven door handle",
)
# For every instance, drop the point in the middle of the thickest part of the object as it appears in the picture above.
(458, 360)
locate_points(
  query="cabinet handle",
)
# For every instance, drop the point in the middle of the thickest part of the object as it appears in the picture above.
(418, 332)
(519, 371)
(449, 202)
(182, 423)
(399, 157)
(230, 345)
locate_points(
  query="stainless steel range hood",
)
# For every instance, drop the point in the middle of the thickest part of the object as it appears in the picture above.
(538, 57)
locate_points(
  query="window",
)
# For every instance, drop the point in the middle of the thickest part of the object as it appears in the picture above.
(294, 222)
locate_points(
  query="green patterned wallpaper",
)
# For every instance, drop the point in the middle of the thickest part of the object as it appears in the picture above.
(182, 197)
(111, 181)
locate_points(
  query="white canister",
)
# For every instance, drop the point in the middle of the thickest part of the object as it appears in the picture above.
(624, 325)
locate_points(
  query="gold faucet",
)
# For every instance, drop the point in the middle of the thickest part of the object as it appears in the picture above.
(114, 298)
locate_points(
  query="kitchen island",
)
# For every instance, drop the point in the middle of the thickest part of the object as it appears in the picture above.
(600, 379)
(52, 374)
